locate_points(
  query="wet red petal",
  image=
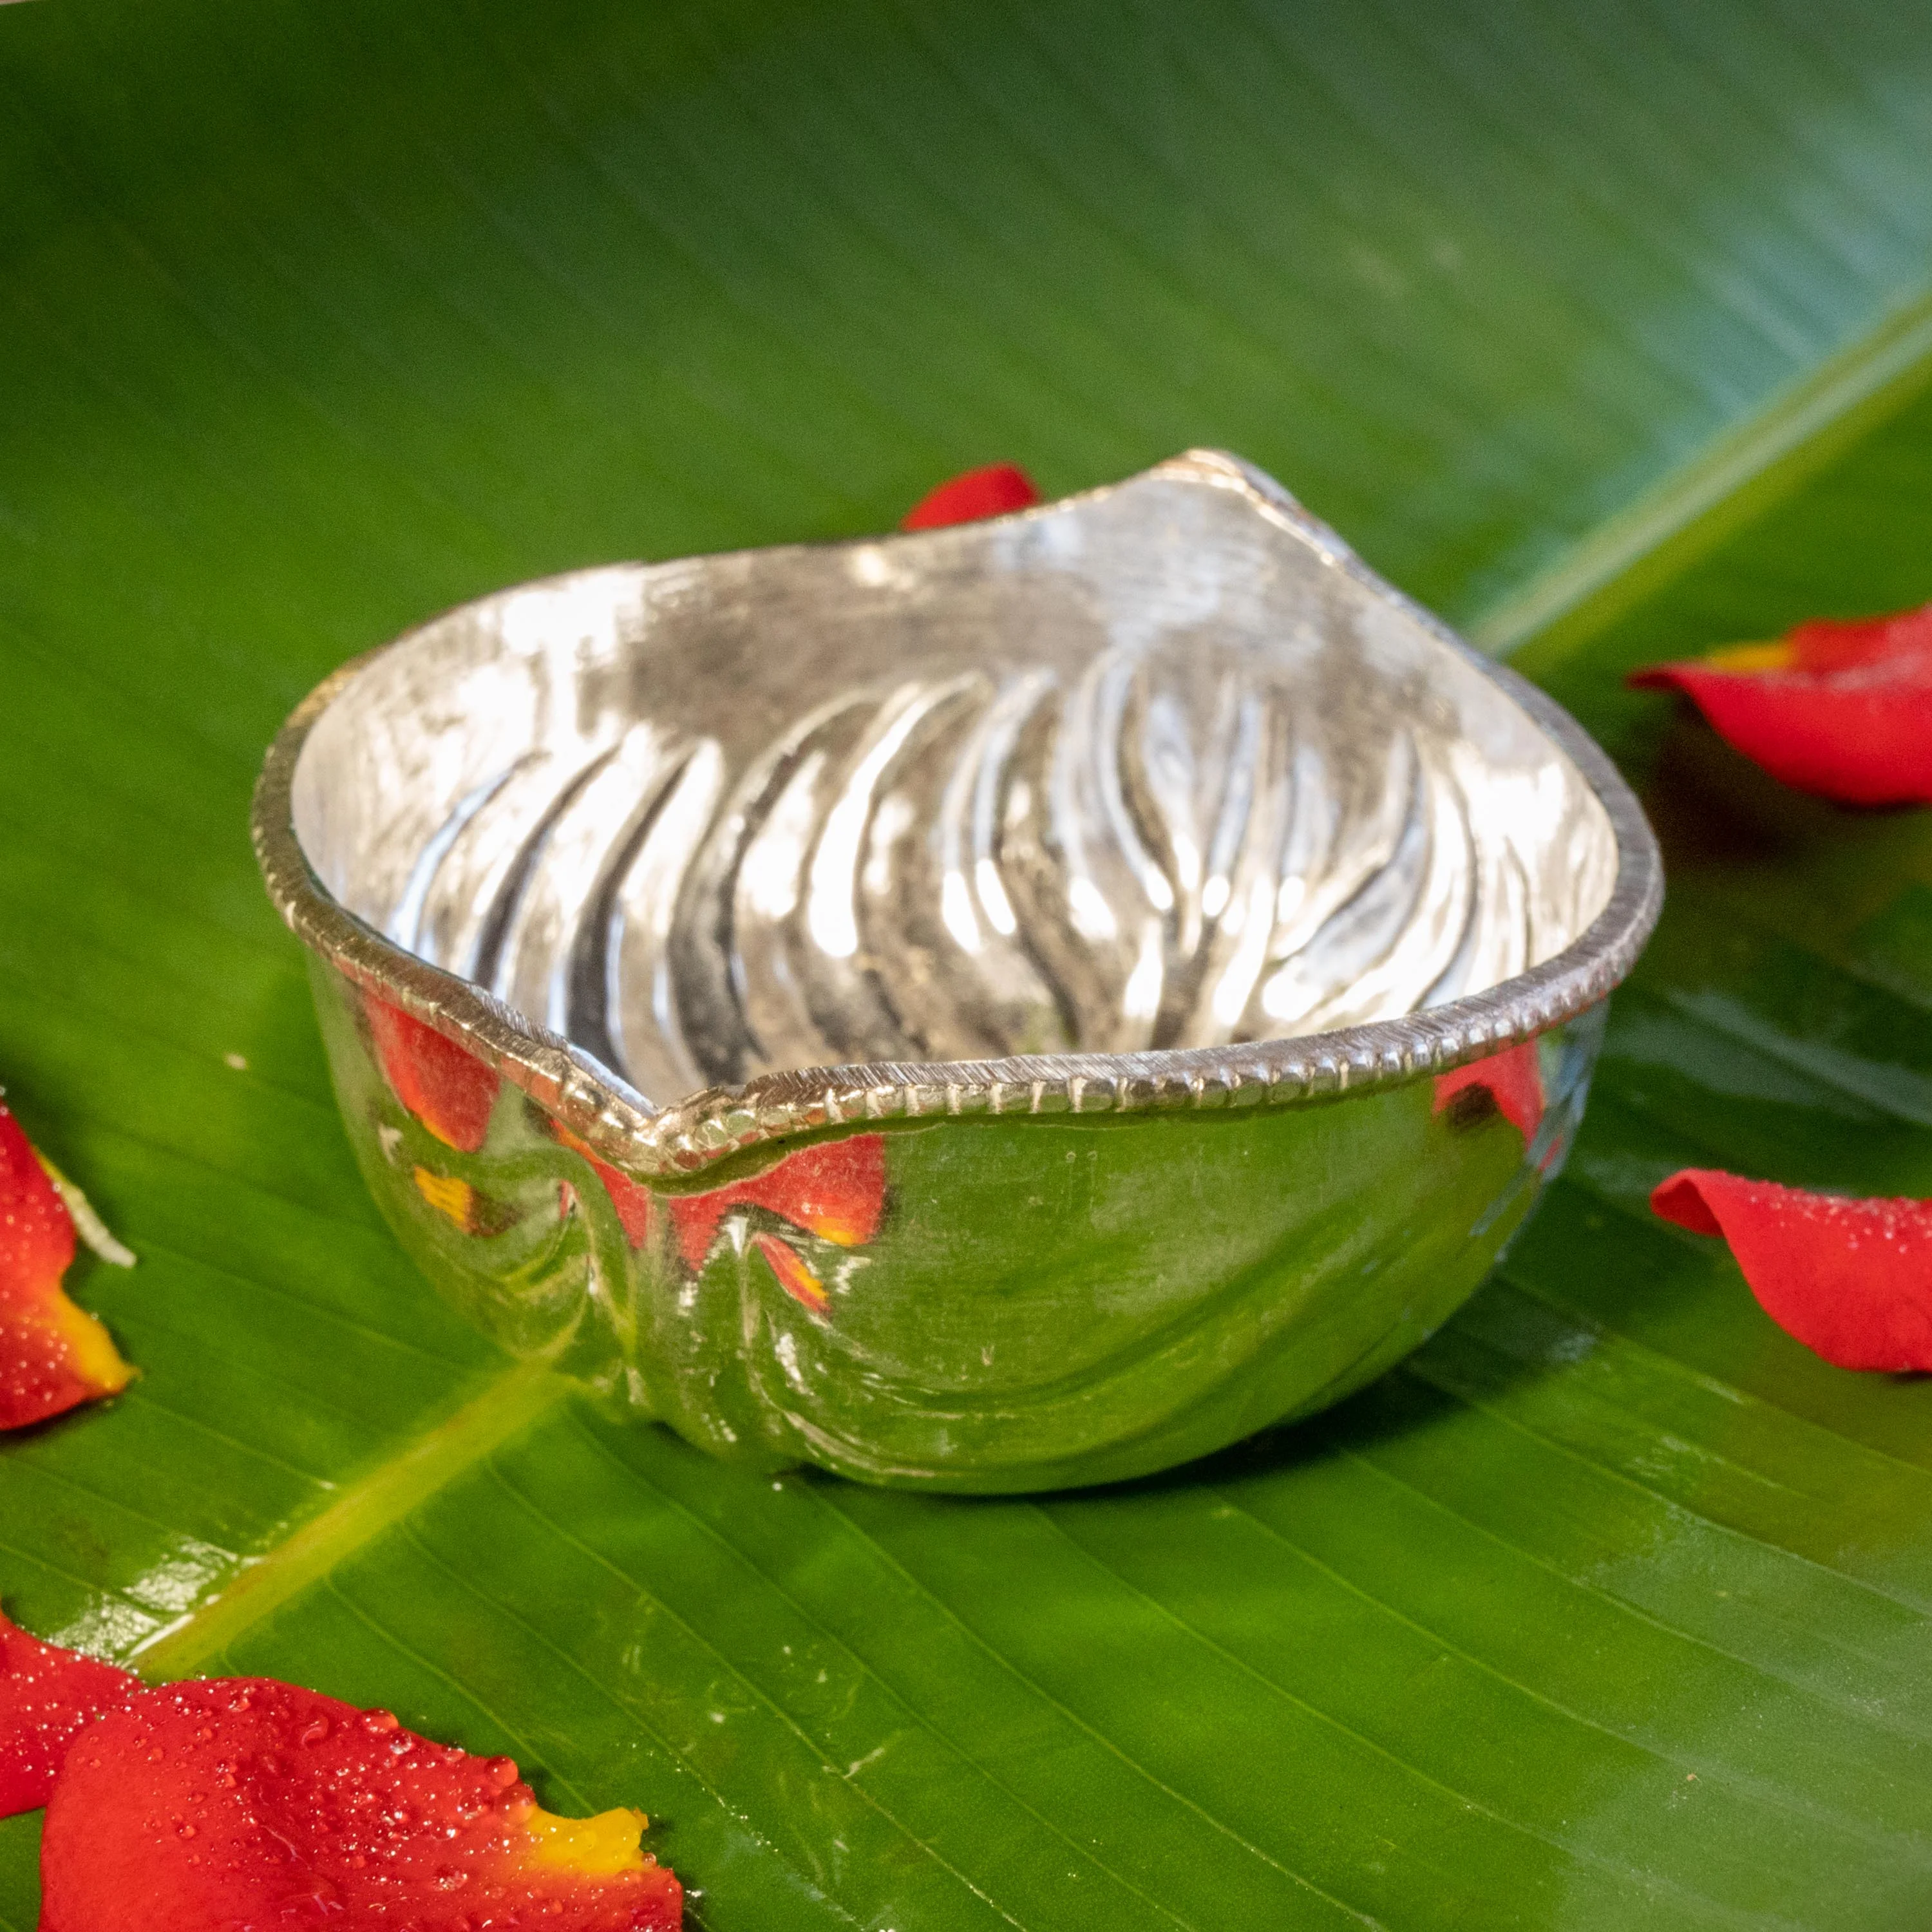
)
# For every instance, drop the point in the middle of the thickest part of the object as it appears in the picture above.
(836, 1190)
(1851, 1279)
(450, 1090)
(1846, 712)
(53, 1353)
(1511, 1079)
(53, 1358)
(1833, 643)
(36, 1232)
(242, 1802)
(991, 492)
(47, 1695)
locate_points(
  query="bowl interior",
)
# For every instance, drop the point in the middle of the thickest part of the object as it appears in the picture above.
(1156, 767)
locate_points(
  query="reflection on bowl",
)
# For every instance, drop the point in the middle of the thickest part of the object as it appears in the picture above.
(1010, 1006)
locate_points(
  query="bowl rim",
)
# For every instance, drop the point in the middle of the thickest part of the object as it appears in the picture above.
(620, 1125)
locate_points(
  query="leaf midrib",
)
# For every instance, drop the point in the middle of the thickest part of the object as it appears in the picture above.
(427, 1464)
(1740, 473)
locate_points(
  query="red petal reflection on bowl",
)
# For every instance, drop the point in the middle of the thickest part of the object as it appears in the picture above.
(1511, 1079)
(1851, 1279)
(1841, 709)
(449, 1090)
(631, 1198)
(47, 1695)
(242, 1802)
(990, 492)
(794, 1276)
(53, 1353)
(836, 1190)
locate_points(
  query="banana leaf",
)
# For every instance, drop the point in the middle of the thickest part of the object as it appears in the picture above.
(1603, 327)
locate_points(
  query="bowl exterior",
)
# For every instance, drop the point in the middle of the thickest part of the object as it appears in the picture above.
(985, 1302)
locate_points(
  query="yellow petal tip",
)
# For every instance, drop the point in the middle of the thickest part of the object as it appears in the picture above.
(603, 1846)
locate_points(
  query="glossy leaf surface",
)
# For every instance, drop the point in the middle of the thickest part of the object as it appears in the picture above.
(1610, 1607)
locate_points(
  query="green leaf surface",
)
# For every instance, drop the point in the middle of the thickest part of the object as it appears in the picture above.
(1602, 326)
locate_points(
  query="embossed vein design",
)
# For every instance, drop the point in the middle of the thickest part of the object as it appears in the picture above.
(1142, 771)
(957, 868)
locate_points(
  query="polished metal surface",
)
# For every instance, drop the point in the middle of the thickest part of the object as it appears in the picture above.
(1152, 796)
(1048, 929)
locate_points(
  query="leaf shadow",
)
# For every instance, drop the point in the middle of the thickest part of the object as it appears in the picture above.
(1711, 807)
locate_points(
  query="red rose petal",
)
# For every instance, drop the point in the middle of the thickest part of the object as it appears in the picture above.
(36, 1231)
(991, 492)
(1851, 1279)
(53, 1353)
(450, 1090)
(1833, 643)
(1512, 1079)
(1844, 710)
(836, 1190)
(239, 1802)
(47, 1697)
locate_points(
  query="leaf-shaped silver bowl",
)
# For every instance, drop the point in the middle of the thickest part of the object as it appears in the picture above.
(1006, 1006)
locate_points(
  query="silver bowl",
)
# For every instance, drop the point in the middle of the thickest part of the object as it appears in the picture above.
(981, 1008)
